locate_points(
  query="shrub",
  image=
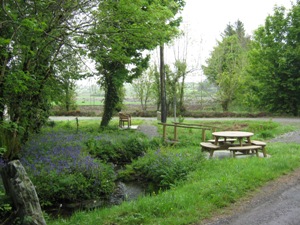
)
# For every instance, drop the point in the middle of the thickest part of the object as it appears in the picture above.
(161, 168)
(62, 173)
(119, 147)
(266, 135)
(5, 205)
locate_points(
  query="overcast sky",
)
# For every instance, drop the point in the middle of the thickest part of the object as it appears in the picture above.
(207, 19)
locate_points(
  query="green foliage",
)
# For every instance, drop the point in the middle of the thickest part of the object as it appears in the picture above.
(119, 147)
(226, 65)
(161, 167)
(181, 119)
(144, 87)
(257, 127)
(33, 46)
(56, 188)
(133, 27)
(274, 61)
(10, 142)
(266, 135)
(175, 83)
(214, 185)
(62, 172)
(5, 204)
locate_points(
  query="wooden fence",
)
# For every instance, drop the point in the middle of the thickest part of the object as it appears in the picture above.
(204, 128)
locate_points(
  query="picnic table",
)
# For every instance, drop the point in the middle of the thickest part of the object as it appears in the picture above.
(226, 140)
(240, 135)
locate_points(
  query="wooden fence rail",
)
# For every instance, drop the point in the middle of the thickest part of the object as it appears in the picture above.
(204, 128)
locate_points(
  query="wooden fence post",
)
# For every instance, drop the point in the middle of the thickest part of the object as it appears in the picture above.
(164, 131)
(175, 132)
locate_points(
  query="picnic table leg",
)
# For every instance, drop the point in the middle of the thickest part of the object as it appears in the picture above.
(216, 140)
(248, 140)
(211, 153)
(233, 152)
(240, 140)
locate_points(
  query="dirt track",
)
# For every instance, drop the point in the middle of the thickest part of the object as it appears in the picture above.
(277, 203)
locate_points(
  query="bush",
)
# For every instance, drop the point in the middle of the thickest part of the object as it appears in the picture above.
(5, 205)
(120, 147)
(62, 173)
(161, 168)
(74, 185)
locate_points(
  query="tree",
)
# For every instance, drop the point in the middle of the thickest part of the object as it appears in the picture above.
(125, 31)
(156, 87)
(226, 65)
(67, 86)
(175, 85)
(175, 6)
(274, 61)
(183, 66)
(143, 87)
(33, 35)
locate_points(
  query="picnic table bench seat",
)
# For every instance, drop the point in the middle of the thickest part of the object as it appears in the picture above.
(245, 149)
(262, 144)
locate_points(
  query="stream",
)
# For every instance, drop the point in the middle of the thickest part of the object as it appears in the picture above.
(124, 192)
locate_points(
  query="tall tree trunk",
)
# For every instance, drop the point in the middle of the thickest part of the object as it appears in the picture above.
(110, 102)
(163, 86)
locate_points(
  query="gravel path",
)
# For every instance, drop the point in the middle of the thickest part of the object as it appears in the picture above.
(288, 137)
(149, 130)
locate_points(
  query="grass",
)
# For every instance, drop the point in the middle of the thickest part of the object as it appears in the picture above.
(213, 185)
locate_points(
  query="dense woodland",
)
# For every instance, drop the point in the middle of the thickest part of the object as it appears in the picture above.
(45, 46)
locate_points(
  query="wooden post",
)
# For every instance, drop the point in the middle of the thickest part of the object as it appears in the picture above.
(22, 192)
(77, 125)
(175, 132)
(203, 134)
(164, 131)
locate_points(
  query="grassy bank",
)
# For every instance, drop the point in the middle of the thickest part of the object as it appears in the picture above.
(213, 185)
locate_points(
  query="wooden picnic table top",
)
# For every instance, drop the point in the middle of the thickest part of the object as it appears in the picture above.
(232, 134)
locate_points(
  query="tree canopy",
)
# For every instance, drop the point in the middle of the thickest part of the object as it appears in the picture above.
(34, 37)
(39, 42)
(225, 67)
(120, 37)
(275, 61)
